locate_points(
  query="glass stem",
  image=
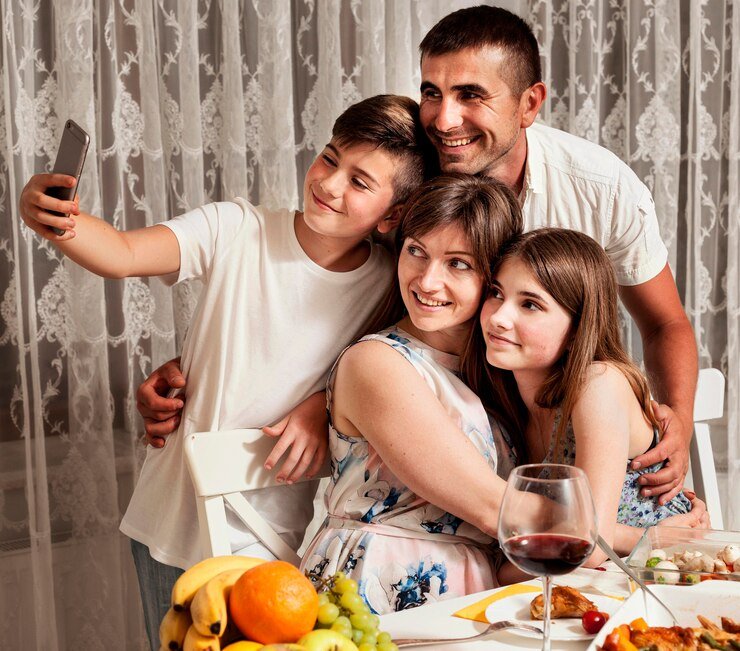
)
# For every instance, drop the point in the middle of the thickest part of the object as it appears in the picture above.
(546, 595)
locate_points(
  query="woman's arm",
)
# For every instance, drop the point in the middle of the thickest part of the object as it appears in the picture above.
(380, 396)
(93, 243)
(601, 423)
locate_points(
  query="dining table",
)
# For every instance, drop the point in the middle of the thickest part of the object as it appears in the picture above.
(438, 619)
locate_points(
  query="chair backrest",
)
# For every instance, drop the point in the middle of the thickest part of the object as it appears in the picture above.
(222, 466)
(708, 404)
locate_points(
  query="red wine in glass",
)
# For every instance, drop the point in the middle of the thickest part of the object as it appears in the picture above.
(547, 553)
(547, 524)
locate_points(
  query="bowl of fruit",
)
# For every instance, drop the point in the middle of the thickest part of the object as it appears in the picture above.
(237, 603)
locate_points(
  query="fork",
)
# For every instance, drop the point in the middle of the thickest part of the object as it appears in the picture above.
(492, 628)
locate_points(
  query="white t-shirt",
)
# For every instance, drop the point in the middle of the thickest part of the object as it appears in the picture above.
(268, 326)
(572, 183)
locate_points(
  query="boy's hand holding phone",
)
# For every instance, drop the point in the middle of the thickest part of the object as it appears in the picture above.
(49, 200)
(36, 207)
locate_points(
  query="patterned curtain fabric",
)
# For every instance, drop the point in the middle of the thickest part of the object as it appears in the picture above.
(188, 102)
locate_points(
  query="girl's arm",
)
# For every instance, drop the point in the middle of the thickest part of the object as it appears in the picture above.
(601, 423)
(380, 396)
(93, 243)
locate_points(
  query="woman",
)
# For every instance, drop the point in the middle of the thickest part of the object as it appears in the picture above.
(400, 413)
(551, 332)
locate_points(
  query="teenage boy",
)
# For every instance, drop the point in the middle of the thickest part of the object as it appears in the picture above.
(283, 293)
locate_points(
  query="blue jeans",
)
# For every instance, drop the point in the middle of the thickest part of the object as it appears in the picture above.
(155, 585)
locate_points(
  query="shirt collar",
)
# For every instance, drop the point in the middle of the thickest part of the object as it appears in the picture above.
(533, 167)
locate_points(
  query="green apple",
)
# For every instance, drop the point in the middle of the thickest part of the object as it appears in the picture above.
(324, 639)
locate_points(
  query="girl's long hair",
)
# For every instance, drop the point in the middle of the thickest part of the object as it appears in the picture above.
(577, 273)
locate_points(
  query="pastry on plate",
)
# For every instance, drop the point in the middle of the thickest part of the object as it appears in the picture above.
(565, 602)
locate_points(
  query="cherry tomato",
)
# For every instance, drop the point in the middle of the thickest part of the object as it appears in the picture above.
(593, 621)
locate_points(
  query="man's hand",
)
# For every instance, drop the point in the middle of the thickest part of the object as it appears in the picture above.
(161, 414)
(673, 446)
(305, 430)
(35, 206)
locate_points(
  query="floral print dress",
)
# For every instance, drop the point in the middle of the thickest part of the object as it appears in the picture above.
(403, 551)
(634, 509)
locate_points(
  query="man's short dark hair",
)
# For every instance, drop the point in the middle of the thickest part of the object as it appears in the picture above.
(390, 123)
(478, 27)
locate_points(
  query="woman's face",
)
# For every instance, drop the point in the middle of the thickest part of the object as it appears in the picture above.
(440, 283)
(525, 329)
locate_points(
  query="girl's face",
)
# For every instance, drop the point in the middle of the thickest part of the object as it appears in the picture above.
(525, 329)
(440, 285)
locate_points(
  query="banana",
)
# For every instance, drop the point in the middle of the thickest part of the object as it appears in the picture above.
(173, 628)
(194, 641)
(208, 608)
(187, 585)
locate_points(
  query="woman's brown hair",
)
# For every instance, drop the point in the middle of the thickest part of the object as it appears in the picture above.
(577, 273)
(486, 211)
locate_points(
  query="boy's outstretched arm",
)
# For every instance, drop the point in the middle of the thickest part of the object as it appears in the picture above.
(305, 430)
(93, 243)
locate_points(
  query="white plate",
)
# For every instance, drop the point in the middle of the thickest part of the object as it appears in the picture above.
(567, 628)
(712, 599)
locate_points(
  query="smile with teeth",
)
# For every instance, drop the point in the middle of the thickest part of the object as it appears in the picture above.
(456, 143)
(430, 302)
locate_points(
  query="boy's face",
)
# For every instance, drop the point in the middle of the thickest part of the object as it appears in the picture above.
(348, 190)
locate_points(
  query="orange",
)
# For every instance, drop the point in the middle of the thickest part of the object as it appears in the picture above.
(273, 602)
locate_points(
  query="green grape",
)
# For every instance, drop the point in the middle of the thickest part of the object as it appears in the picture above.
(387, 646)
(352, 602)
(384, 638)
(370, 637)
(376, 620)
(366, 647)
(338, 577)
(328, 614)
(341, 625)
(343, 586)
(324, 598)
(357, 636)
(361, 621)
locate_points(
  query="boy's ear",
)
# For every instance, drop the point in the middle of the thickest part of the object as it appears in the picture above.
(391, 220)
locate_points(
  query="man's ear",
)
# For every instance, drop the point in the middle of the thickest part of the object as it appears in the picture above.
(391, 220)
(530, 103)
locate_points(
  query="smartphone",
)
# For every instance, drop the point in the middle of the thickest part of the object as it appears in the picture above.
(70, 160)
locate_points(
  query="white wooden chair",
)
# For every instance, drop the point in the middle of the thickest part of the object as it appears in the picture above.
(222, 465)
(702, 476)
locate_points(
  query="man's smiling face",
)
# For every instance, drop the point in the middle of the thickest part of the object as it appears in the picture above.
(470, 113)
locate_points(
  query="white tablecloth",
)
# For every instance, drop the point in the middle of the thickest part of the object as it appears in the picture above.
(436, 620)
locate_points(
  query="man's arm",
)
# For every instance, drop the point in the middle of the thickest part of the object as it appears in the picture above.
(93, 243)
(670, 354)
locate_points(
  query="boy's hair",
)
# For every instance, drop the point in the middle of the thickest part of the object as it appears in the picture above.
(486, 211)
(576, 272)
(390, 123)
(478, 27)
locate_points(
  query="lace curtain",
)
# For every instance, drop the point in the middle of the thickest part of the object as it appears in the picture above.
(190, 102)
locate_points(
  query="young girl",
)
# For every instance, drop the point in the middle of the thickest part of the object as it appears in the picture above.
(405, 430)
(551, 331)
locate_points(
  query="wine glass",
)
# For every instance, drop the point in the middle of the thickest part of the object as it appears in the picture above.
(547, 524)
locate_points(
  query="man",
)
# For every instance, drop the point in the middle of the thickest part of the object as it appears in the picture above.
(481, 90)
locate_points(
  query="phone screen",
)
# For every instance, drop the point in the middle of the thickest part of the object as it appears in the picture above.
(70, 160)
